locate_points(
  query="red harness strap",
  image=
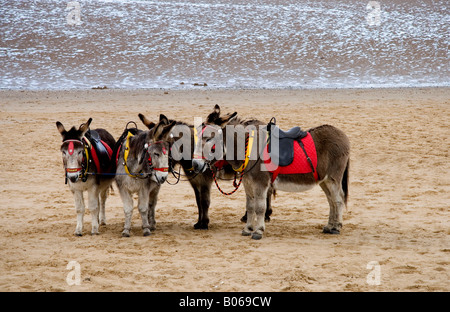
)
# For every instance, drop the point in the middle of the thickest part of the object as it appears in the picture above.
(164, 150)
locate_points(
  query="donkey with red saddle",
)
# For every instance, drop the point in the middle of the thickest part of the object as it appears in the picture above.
(87, 162)
(292, 161)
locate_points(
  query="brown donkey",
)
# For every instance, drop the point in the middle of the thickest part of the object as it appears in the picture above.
(200, 181)
(331, 172)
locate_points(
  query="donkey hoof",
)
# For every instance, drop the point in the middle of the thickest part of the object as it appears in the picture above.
(257, 236)
(327, 230)
(246, 233)
(147, 232)
(126, 233)
(78, 234)
(200, 226)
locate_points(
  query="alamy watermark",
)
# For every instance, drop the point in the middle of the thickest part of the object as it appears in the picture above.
(229, 142)
(74, 15)
(74, 276)
(373, 17)
(374, 276)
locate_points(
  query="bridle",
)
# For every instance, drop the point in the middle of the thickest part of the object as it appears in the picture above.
(219, 164)
(149, 159)
(84, 163)
(142, 175)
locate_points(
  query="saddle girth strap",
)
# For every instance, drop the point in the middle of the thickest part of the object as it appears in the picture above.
(308, 159)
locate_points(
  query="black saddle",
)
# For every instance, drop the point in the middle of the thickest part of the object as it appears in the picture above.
(101, 151)
(284, 154)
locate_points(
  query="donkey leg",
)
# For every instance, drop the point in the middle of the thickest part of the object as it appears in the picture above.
(268, 207)
(260, 210)
(199, 207)
(205, 202)
(103, 197)
(269, 204)
(79, 206)
(335, 197)
(143, 205)
(202, 196)
(153, 199)
(127, 200)
(250, 212)
(93, 198)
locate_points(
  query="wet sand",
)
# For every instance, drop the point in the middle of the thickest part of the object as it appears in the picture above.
(398, 211)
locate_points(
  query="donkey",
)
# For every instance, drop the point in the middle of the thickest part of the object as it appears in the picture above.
(200, 181)
(83, 171)
(331, 173)
(142, 166)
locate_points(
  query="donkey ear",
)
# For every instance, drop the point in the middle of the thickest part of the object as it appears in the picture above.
(146, 122)
(214, 115)
(166, 131)
(222, 122)
(85, 127)
(163, 119)
(157, 130)
(217, 109)
(61, 128)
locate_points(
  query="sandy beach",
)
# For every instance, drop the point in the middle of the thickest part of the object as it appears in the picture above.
(398, 215)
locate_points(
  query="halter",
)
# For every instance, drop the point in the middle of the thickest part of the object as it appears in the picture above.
(248, 147)
(140, 175)
(248, 150)
(164, 150)
(85, 163)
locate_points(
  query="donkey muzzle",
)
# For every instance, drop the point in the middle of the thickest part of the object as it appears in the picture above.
(199, 165)
(73, 174)
(160, 177)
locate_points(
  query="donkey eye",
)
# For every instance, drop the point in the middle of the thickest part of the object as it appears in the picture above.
(157, 154)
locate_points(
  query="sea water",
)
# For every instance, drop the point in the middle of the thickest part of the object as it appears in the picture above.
(57, 44)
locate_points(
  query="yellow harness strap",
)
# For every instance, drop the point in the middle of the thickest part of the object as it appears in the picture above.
(248, 152)
(125, 155)
(87, 148)
(195, 136)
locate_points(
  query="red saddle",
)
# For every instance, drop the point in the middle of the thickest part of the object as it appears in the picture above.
(300, 164)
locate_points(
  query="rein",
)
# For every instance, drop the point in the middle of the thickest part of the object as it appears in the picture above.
(240, 170)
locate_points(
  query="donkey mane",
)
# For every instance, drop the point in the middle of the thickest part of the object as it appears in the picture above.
(139, 141)
(72, 134)
(245, 122)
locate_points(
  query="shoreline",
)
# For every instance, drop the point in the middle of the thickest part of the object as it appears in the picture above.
(192, 87)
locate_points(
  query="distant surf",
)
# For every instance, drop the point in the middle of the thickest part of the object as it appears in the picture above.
(54, 44)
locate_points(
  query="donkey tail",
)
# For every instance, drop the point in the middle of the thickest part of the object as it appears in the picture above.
(345, 181)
